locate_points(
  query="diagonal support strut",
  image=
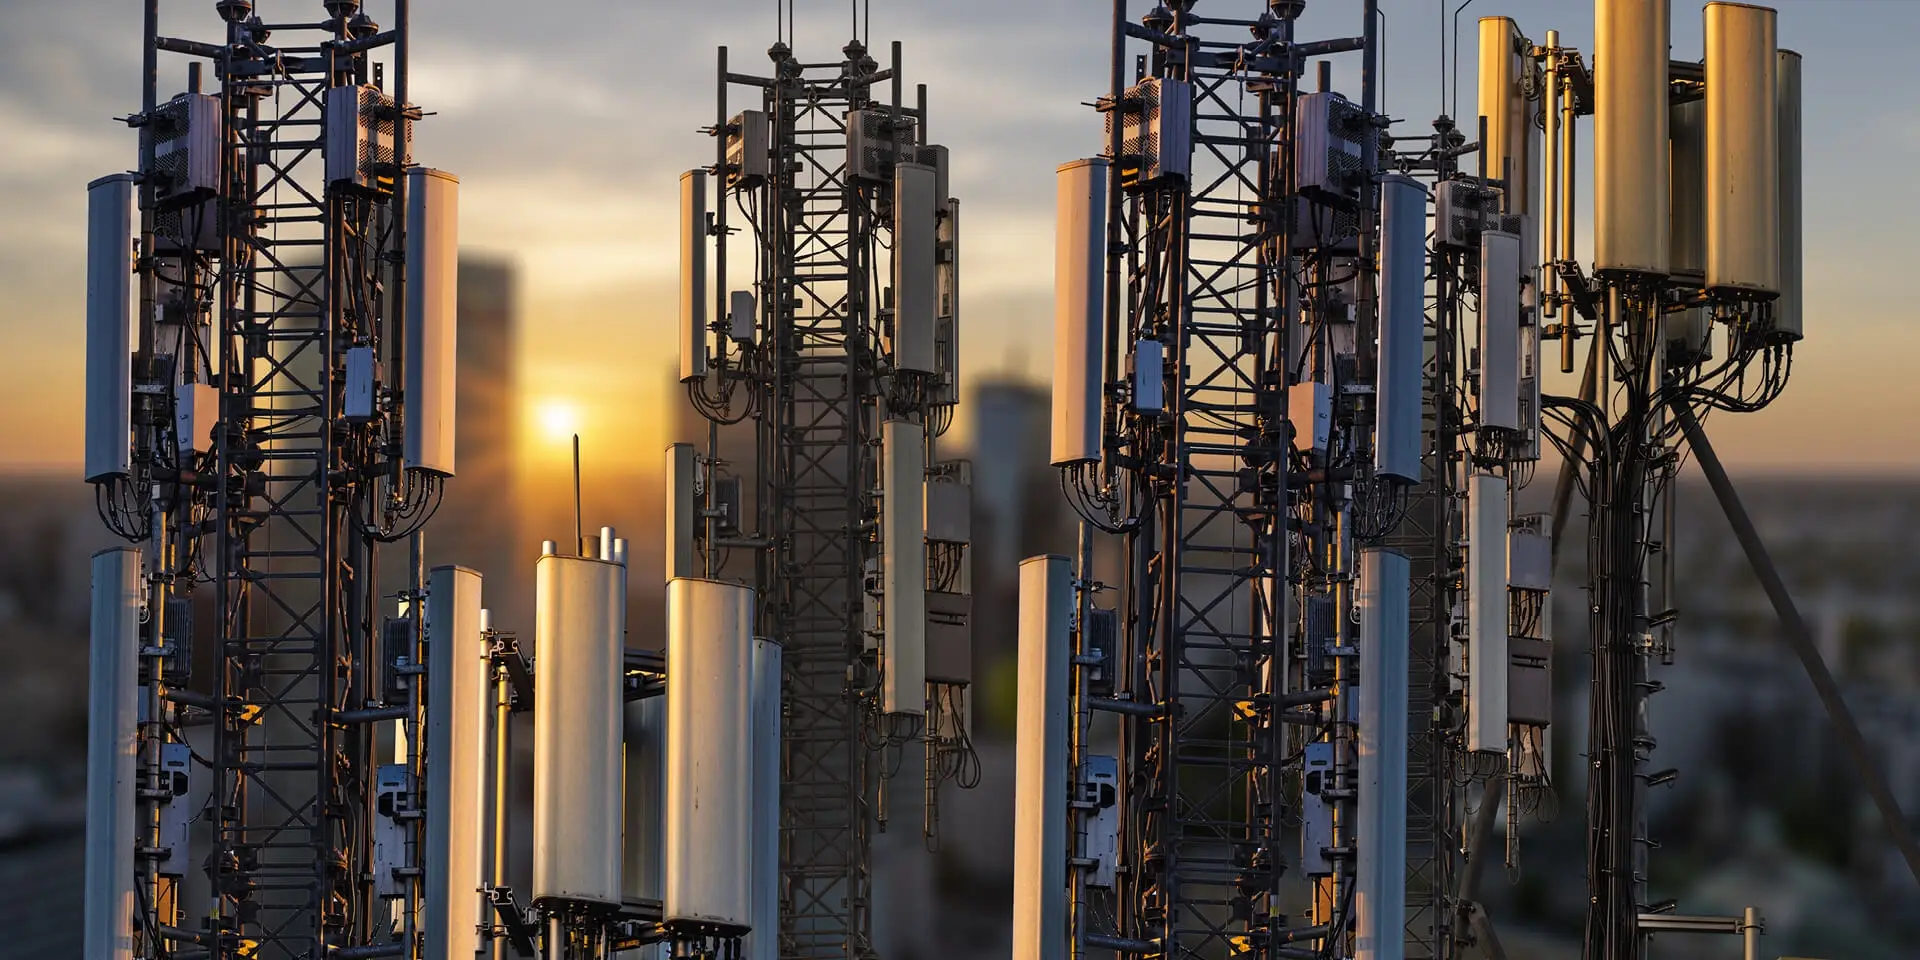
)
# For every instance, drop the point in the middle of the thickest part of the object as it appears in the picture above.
(1800, 638)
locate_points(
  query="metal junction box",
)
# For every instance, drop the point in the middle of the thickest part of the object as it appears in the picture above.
(360, 147)
(949, 638)
(1529, 681)
(1100, 831)
(1156, 131)
(876, 141)
(749, 159)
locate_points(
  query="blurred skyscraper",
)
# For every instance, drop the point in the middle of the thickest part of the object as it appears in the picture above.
(1008, 431)
(479, 522)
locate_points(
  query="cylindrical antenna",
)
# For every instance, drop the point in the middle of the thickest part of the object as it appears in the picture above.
(1326, 76)
(579, 535)
(193, 77)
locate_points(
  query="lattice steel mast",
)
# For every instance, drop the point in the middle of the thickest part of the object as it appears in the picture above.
(286, 414)
(838, 359)
(1219, 414)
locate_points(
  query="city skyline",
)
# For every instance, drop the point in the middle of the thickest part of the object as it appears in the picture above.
(580, 196)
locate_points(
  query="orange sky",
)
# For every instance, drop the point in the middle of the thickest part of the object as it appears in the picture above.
(570, 170)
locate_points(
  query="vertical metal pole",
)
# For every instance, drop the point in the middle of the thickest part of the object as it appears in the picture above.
(1079, 716)
(1116, 233)
(1368, 315)
(396, 332)
(718, 318)
(416, 746)
(704, 503)
(1569, 189)
(894, 82)
(502, 766)
(579, 532)
(1122, 669)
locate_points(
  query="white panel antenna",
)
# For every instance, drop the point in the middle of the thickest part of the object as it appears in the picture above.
(1487, 604)
(693, 275)
(1079, 320)
(458, 735)
(916, 290)
(1499, 331)
(1378, 903)
(764, 942)
(111, 307)
(1403, 319)
(1040, 760)
(432, 316)
(112, 749)
(903, 567)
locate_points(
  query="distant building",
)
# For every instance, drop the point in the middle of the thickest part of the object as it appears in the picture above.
(1008, 429)
(479, 522)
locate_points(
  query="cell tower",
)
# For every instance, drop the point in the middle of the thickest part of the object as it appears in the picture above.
(1692, 304)
(1477, 699)
(270, 401)
(827, 375)
(1233, 403)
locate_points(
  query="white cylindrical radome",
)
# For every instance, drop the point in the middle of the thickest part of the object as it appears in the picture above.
(764, 942)
(579, 659)
(693, 275)
(903, 536)
(111, 307)
(1040, 819)
(459, 726)
(643, 838)
(1487, 513)
(709, 785)
(1630, 148)
(1511, 134)
(1403, 321)
(1788, 311)
(1379, 907)
(433, 287)
(1743, 152)
(1079, 316)
(113, 734)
